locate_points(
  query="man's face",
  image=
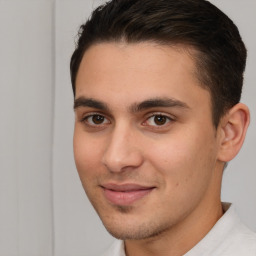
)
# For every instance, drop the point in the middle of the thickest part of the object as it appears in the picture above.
(144, 143)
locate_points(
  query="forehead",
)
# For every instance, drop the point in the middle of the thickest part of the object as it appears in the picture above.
(141, 57)
(138, 71)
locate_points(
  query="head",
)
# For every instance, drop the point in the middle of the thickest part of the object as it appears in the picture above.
(218, 51)
(157, 87)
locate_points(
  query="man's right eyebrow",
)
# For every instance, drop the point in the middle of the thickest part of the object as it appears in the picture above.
(89, 102)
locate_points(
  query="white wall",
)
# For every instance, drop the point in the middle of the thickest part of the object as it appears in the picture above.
(43, 209)
(26, 105)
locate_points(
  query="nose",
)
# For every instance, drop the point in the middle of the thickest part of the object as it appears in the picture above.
(122, 150)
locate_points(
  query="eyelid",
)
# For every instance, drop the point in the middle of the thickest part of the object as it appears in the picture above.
(86, 116)
(160, 113)
(168, 116)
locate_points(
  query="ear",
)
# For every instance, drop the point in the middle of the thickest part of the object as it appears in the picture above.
(233, 127)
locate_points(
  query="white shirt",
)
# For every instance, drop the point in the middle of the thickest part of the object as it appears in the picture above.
(228, 237)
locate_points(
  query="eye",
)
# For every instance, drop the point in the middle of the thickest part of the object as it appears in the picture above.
(158, 120)
(95, 120)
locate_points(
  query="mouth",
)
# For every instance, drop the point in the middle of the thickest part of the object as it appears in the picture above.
(125, 194)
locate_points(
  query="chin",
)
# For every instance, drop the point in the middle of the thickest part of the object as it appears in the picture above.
(128, 230)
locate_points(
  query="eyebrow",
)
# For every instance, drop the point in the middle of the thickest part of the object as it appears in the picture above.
(158, 102)
(89, 102)
(136, 107)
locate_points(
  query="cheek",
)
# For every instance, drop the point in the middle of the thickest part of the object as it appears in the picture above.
(87, 154)
(183, 158)
(185, 170)
(172, 153)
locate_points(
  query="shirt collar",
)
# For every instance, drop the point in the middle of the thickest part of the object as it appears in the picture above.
(218, 234)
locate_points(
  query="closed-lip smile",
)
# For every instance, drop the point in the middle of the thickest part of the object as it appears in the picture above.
(125, 194)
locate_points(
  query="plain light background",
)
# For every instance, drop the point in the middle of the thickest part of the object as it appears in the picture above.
(43, 208)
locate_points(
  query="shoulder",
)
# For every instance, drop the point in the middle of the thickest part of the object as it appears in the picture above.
(241, 241)
(238, 239)
(228, 237)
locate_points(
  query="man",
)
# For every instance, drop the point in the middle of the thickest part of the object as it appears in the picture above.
(157, 86)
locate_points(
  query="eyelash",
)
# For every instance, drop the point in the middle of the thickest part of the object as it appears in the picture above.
(91, 115)
(167, 118)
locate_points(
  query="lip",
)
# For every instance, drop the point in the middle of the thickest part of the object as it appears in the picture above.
(125, 194)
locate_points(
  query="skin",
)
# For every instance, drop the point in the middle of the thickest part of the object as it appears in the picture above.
(142, 118)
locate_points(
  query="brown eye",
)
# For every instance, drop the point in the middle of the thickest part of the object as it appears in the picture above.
(160, 120)
(97, 119)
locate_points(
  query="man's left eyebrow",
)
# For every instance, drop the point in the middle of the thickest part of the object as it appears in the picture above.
(158, 102)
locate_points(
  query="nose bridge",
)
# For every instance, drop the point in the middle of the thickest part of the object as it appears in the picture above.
(122, 149)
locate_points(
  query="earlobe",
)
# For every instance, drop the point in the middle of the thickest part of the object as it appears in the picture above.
(233, 127)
